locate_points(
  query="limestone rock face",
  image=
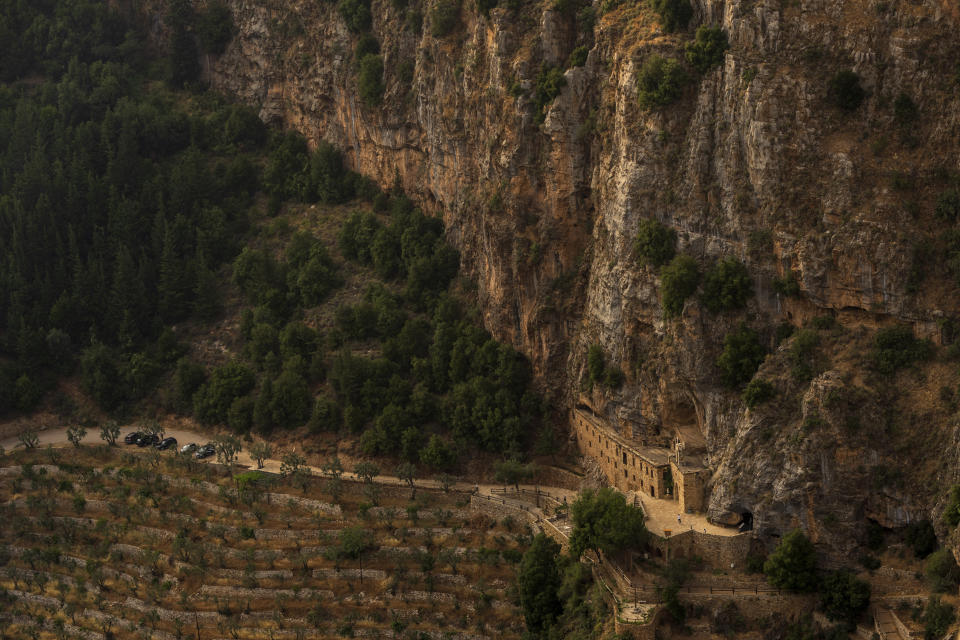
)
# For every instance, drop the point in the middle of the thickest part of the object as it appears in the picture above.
(753, 162)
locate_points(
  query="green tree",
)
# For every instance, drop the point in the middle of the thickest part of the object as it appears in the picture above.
(550, 81)
(215, 27)
(370, 80)
(603, 521)
(332, 470)
(793, 565)
(227, 448)
(75, 434)
(407, 471)
(227, 383)
(741, 356)
(183, 61)
(28, 439)
(260, 451)
(513, 472)
(660, 82)
(353, 543)
(678, 281)
(356, 13)
(843, 596)
(707, 48)
(367, 471)
(845, 91)
(538, 581)
(941, 571)
(757, 392)
(951, 513)
(937, 618)
(444, 16)
(896, 347)
(293, 466)
(655, 244)
(110, 432)
(726, 285)
(439, 454)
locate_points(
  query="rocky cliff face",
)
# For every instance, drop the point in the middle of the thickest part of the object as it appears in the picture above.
(753, 162)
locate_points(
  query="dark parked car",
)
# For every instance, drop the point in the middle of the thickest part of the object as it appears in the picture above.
(205, 451)
(166, 443)
(132, 438)
(148, 439)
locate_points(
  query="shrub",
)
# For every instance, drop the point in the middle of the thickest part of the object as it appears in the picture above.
(550, 81)
(793, 565)
(413, 21)
(370, 79)
(787, 286)
(904, 110)
(484, 6)
(659, 82)
(948, 205)
(598, 370)
(706, 49)
(214, 26)
(951, 513)
(937, 618)
(356, 13)
(845, 91)
(655, 244)
(578, 57)
(897, 347)
(443, 17)
(741, 357)
(366, 44)
(674, 14)
(757, 392)
(803, 354)
(941, 571)
(726, 286)
(678, 281)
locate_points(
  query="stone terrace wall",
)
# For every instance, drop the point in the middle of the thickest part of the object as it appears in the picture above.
(716, 551)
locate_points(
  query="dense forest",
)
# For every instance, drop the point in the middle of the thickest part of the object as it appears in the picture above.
(133, 201)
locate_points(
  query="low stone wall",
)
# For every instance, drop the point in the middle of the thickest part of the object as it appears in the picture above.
(716, 551)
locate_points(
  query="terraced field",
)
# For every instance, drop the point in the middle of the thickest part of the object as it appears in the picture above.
(101, 543)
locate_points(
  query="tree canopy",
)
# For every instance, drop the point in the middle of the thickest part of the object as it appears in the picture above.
(793, 565)
(603, 521)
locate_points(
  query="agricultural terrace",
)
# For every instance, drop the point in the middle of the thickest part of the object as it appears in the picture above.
(107, 543)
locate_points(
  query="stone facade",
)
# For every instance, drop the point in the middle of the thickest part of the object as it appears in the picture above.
(628, 467)
(689, 483)
(652, 471)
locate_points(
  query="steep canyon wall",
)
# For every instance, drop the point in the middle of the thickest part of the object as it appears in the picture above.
(753, 162)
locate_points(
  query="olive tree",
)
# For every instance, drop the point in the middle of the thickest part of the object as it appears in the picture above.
(110, 432)
(260, 451)
(75, 434)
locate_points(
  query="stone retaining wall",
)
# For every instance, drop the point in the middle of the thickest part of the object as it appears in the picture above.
(716, 551)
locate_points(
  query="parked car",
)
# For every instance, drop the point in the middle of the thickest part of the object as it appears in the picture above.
(148, 439)
(188, 448)
(132, 437)
(166, 443)
(205, 451)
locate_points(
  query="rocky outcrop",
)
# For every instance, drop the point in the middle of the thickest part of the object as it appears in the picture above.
(752, 162)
